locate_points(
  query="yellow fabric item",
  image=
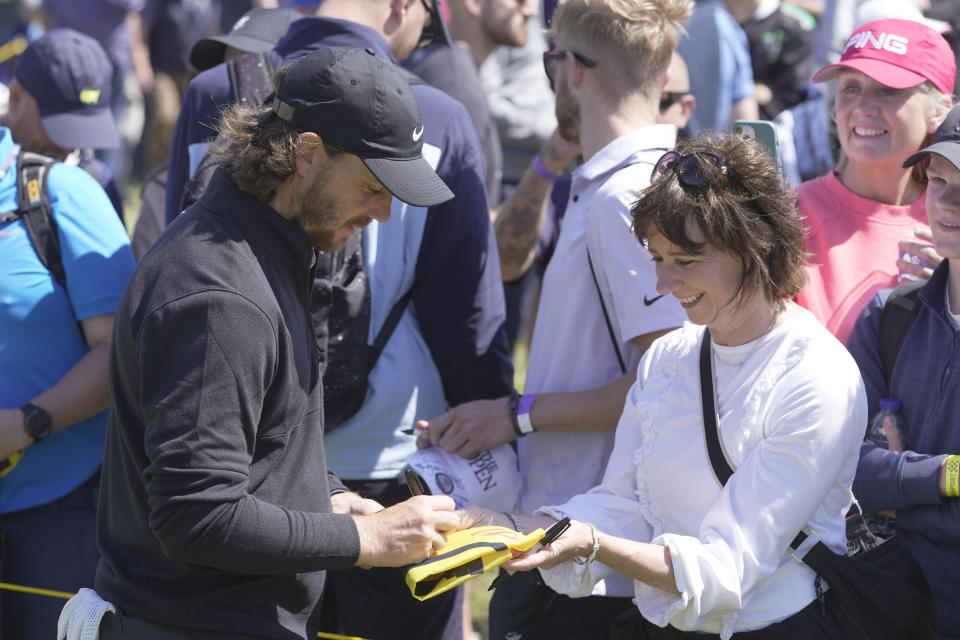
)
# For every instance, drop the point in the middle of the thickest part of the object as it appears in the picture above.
(467, 554)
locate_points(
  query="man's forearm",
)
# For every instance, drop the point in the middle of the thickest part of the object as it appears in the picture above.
(81, 393)
(596, 409)
(517, 224)
(517, 221)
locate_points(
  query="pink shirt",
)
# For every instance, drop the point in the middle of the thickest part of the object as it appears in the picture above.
(852, 244)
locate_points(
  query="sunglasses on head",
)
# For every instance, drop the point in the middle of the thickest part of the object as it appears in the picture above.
(669, 98)
(552, 58)
(694, 170)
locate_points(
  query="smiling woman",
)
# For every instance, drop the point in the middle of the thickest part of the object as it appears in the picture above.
(894, 82)
(710, 559)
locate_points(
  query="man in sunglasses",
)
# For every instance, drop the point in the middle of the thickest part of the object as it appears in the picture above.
(436, 265)
(677, 104)
(599, 308)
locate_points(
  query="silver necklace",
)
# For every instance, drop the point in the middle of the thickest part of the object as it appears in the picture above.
(756, 342)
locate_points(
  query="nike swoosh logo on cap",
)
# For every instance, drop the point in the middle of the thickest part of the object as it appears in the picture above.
(647, 301)
(417, 134)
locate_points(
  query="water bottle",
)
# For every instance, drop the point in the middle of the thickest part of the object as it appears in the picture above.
(888, 429)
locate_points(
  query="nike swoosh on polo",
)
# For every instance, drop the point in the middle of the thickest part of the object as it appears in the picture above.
(417, 134)
(647, 301)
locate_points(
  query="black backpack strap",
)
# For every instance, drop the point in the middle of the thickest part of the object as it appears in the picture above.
(898, 315)
(34, 208)
(711, 419)
(389, 325)
(251, 76)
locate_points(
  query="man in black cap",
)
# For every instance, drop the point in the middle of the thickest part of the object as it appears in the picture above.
(218, 517)
(436, 266)
(59, 104)
(257, 31)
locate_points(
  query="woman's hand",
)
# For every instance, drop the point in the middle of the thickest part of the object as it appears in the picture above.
(577, 541)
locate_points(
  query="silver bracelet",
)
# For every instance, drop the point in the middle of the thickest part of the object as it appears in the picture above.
(596, 547)
(514, 522)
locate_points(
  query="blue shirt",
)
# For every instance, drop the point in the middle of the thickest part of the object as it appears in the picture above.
(40, 340)
(457, 291)
(718, 58)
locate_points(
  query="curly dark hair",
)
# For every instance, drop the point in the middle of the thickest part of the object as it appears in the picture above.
(750, 212)
(257, 149)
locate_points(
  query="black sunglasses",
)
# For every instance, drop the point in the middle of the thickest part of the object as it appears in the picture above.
(552, 58)
(669, 98)
(694, 170)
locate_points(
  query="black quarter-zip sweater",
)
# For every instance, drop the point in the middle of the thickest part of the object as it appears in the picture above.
(214, 513)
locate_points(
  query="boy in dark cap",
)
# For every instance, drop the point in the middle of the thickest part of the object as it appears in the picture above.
(218, 515)
(59, 104)
(921, 484)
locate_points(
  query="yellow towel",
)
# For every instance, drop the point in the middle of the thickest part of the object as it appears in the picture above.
(467, 554)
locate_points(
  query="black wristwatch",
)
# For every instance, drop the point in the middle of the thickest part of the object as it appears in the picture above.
(36, 422)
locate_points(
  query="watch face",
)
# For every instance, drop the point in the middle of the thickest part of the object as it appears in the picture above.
(37, 422)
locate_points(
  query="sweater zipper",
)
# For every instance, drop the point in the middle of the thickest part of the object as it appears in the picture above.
(944, 379)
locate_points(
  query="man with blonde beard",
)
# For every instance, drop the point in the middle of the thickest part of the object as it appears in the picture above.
(484, 25)
(599, 310)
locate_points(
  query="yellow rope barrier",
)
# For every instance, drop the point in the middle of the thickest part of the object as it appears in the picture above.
(67, 596)
(40, 592)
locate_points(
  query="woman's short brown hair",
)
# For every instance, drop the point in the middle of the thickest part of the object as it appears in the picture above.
(750, 212)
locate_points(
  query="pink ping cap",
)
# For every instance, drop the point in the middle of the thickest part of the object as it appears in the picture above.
(898, 54)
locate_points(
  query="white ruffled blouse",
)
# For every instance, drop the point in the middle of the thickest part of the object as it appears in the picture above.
(792, 414)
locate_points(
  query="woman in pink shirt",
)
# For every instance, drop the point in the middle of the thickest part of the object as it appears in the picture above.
(894, 84)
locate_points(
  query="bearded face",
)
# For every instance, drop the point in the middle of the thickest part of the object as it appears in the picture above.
(505, 21)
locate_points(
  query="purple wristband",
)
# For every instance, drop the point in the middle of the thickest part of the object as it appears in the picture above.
(541, 170)
(523, 412)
